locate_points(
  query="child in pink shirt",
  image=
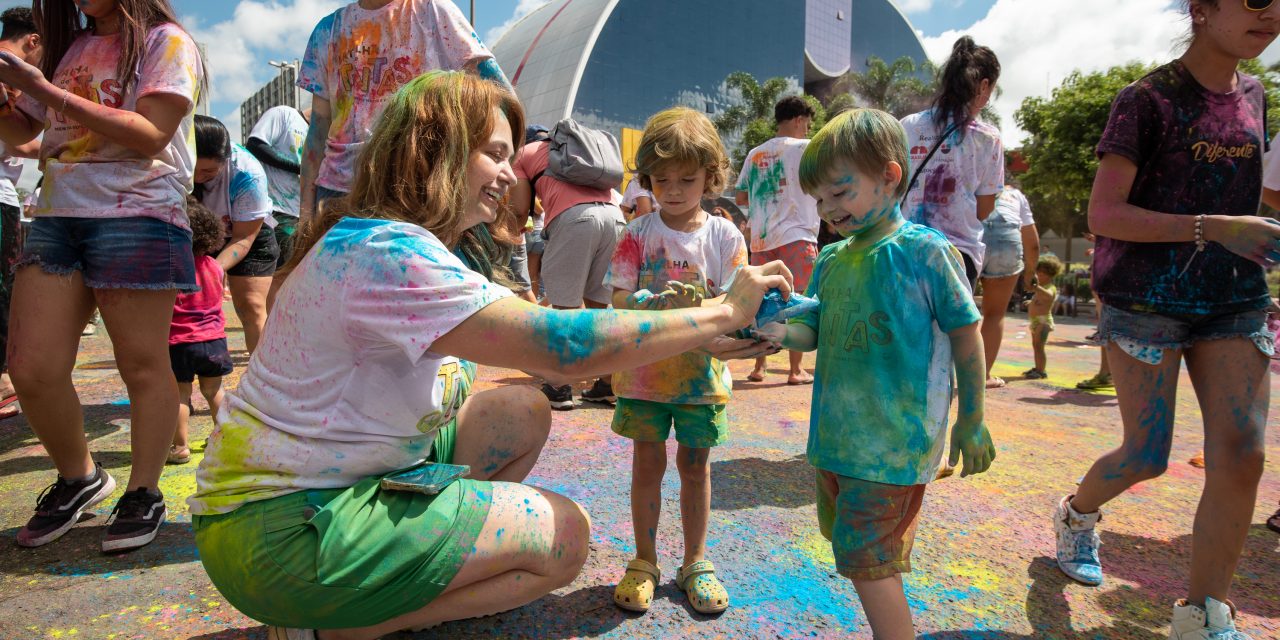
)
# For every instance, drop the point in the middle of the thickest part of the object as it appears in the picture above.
(197, 335)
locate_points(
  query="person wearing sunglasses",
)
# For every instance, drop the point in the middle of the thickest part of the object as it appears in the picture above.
(1179, 268)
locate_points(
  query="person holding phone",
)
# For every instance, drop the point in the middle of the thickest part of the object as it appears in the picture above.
(366, 370)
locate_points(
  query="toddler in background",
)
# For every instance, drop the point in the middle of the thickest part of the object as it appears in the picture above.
(1040, 310)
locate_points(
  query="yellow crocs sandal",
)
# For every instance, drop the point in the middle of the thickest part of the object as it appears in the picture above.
(635, 591)
(698, 581)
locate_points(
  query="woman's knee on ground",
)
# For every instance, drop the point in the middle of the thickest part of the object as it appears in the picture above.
(522, 411)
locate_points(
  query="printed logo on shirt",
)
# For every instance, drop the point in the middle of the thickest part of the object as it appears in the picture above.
(79, 81)
(454, 380)
(1211, 152)
(366, 74)
(850, 329)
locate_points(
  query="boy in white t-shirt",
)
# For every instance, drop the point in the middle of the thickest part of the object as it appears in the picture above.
(783, 218)
(357, 57)
(277, 141)
(669, 259)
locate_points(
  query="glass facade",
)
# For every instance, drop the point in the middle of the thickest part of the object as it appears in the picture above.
(611, 64)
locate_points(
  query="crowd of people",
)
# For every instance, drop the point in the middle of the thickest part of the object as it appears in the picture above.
(412, 226)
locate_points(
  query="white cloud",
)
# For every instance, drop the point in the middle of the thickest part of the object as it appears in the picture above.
(258, 31)
(1040, 42)
(915, 6)
(524, 8)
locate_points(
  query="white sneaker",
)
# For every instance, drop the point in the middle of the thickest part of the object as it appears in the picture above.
(284, 633)
(1077, 543)
(1214, 622)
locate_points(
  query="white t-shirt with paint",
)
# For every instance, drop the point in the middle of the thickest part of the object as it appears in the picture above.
(89, 176)
(239, 192)
(778, 211)
(633, 191)
(10, 173)
(357, 58)
(344, 384)
(1012, 209)
(946, 193)
(285, 130)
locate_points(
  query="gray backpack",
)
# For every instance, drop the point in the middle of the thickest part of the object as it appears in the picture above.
(584, 156)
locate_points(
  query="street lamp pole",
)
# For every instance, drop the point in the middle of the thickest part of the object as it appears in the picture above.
(473, 13)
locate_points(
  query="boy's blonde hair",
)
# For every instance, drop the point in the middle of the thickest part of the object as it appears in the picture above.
(1049, 264)
(869, 139)
(682, 137)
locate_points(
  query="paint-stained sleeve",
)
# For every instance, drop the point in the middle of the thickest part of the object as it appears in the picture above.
(314, 74)
(171, 64)
(733, 254)
(624, 268)
(745, 172)
(248, 187)
(1133, 126)
(456, 39)
(405, 290)
(990, 163)
(946, 287)
(812, 319)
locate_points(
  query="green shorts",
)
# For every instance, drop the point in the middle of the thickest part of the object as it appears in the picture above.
(871, 526)
(698, 426)
(340, 558)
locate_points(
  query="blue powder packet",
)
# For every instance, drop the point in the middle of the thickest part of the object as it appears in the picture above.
(774, 309)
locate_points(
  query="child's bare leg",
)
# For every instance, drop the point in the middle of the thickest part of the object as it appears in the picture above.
(1038, 340)
(211, 389)
(797, 374)
(885, 604)
(757, 372)
(695, 500)
(184, 415)
(1232, 385)
(648, 463)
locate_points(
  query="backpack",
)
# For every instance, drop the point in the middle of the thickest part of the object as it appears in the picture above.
(583, 156)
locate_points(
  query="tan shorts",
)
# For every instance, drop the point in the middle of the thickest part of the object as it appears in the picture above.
(871, 526)
(579, 247)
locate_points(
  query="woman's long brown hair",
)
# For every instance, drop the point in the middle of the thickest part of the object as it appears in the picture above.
(413, 167)
(60, 22)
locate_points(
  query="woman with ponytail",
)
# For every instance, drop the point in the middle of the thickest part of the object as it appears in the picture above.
(957, 161)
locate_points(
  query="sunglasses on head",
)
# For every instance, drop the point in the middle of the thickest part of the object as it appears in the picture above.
(1258, 5)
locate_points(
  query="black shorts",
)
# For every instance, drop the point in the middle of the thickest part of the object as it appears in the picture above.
(286, 227)
(970, 271)
(208, 359)
(261, 259)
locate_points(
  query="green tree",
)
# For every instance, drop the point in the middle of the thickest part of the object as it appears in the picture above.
(1062, 132)
(901, 87)
(751, 119)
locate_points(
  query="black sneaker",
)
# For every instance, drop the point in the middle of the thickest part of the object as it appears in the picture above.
(601, 392)
(59, 507)
(561, 398)
(135, 520)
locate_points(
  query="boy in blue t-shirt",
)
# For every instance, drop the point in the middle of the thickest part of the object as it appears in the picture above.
(895, 317)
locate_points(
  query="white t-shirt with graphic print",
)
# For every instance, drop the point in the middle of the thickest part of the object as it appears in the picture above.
(239, 192)
(778, 210)
(285, 130)
(89, 176)
(945, 196)
(344, 385)
(357, 58)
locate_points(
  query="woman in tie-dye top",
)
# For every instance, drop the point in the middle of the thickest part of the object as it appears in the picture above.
(1179, 267)
(358, 56)
(114, 99)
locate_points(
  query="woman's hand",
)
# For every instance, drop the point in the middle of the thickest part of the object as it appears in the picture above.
(17, 73)
(749, 286)
(727, 348)
(1252, 237)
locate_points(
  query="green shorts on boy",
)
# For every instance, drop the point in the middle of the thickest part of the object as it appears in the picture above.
(882, 389)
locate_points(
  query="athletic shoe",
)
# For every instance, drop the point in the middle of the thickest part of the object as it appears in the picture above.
(561, 398)
(1100, 381)
(284, 633)
(601, 392)
(135, 520)
(1214, 622)
(1034, 374)
(1077, 543)
(59, 507)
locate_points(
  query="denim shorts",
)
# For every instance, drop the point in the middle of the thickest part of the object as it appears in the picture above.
(113, 253)
(1146, 336)
(1004, 252)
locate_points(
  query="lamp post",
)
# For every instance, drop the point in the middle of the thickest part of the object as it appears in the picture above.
(473, 13)
(281, 66)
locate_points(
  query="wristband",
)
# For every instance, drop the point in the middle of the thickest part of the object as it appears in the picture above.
(65, 96)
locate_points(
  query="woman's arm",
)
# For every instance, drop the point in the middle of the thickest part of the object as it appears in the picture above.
(986, 204)
(313, 154)
(242, 237)
(1111, 215)
(147, 131)
(576, 344)
(644, 206)
(1030, 253)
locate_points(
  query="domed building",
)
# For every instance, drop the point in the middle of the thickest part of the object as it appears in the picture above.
(610, 64)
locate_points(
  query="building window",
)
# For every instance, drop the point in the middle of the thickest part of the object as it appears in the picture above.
(840, 15)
